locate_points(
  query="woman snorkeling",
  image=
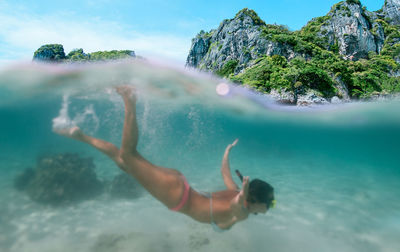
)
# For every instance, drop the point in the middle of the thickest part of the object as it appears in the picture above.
(221, 209)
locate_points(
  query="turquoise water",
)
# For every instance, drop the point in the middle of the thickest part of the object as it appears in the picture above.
(335, 169)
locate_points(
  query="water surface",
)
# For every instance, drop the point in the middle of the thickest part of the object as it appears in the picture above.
(335, 169)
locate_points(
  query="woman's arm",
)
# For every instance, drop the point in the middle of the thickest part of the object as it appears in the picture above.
(225, 169)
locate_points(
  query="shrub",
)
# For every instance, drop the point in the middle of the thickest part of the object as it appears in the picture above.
(228, 68)
(50, 52)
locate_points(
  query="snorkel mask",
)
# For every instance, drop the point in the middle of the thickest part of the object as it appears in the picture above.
(273, 203)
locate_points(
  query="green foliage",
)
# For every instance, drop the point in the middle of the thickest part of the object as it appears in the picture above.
(228, 68)
(111, 55)
(353, 2)
(371, 76)
(363, 78)
(277, 73)
(268, 31)
(317, 78)
(50, 52)
(325, 66)
(77, 55)
(309, 33)
(335, 47)
(391, 46)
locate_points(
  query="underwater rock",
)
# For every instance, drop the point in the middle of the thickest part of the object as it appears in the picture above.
(59, 179)
(23, 179)
(125, 186)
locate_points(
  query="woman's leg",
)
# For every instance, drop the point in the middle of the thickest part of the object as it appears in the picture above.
(163, 183)
(107, 148)
(130, 132)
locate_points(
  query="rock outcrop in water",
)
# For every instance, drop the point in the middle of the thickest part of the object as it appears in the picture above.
(60, 179)
(68, 178)
(349, 53)
(55, 53)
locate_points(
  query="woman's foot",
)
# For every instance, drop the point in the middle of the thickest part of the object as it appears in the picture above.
(127, 92)
(74, 132)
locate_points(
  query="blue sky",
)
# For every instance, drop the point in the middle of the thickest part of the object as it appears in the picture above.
(152, 28)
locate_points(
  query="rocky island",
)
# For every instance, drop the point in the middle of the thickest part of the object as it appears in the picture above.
(350, 53)
(55, 53)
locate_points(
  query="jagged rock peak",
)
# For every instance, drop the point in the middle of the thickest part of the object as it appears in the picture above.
(391, 9)
(234, 44)
(249, 13)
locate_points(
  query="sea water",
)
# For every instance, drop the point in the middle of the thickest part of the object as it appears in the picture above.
(335, 168)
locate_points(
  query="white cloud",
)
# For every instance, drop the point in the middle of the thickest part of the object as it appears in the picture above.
(23, 34)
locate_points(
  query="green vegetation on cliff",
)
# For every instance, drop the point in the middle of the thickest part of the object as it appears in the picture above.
(277, 73)
(319, 66)
(363, 78)
(392, 33)
(228, 68)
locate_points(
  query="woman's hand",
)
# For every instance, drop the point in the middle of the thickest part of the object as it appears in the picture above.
(229, 147)
(244, 192)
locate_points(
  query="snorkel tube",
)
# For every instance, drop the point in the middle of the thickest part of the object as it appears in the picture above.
(239, 175)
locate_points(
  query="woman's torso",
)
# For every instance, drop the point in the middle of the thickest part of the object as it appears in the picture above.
(199, 207)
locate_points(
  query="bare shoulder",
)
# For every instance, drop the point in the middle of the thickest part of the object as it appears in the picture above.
(239, 212)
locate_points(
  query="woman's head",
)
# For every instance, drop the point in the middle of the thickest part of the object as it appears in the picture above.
(260, 192)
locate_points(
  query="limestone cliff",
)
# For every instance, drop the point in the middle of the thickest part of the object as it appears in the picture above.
(238, 39)
(391, 10)
(348, 53)
(236, 42)
(349, 26)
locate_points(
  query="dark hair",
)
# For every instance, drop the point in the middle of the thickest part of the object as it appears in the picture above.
(260, 192)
